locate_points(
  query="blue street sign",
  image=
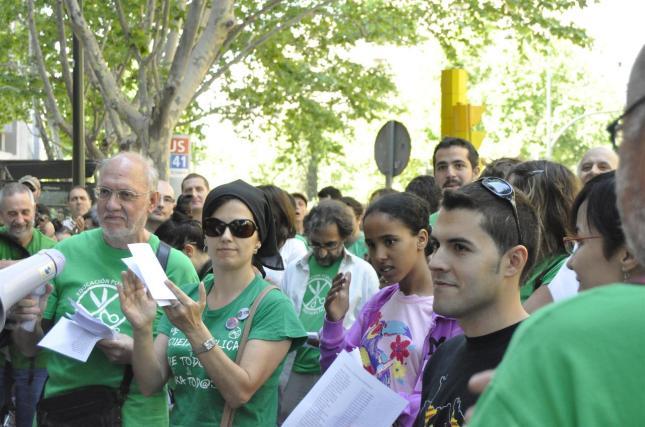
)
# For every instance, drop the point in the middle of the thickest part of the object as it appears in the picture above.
(178, 161)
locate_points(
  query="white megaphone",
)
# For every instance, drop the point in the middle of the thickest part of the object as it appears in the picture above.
(25, 277)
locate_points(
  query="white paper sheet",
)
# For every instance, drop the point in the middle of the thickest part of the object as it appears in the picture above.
(77, 336)
(346, 395)
(67, 338)
(145, 265)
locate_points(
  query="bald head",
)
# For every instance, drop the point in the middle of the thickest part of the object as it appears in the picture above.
(630, 177)
(596, 161)
(130, 159)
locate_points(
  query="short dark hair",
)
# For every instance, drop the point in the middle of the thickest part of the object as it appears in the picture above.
(500, 168)
(602, 212)
(301, 197)
(551, 188)
(354, 204)
(330, 191)
(425, 187)
(82, 187)
(329, 212)
(498, 219)
(178, 233)
(283, 210)
(194, 175)
(407, 207)
(380, 192)
(473, 155)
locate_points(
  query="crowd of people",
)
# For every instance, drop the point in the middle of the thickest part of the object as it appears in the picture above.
(433, 285)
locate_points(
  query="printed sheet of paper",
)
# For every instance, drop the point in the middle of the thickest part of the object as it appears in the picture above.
(69, 339)
(145, 265)
(76, 337)
(346, 395)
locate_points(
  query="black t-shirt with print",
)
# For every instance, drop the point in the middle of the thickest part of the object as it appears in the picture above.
(445, 397)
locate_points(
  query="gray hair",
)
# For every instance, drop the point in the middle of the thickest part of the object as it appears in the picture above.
(151, 172)
(328, 212)
(15, 188)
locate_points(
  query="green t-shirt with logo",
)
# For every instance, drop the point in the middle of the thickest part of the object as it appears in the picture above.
(358, 248)
(197, 401)
(38, 242)
(312, 313)
(92, 272)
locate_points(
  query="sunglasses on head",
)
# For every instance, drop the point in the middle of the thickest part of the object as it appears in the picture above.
(502, 189)
(242, 228)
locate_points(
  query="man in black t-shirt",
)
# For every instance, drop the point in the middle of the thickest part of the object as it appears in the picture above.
(487, 236)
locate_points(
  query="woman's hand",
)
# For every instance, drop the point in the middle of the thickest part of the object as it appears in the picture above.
(185, 313)
(136, 302)
(337, 301)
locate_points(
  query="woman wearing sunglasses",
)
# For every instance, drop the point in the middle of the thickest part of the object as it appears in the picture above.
(397, 330)
(599, 253)
(199, 335)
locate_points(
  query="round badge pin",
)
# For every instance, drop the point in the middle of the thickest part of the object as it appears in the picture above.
(231, 323)
(243, 313)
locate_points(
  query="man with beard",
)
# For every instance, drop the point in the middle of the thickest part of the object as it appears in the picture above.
(307, 282)
(164, 208)
(20, 239)
(580, 362)
(126, 195)
(456, 163)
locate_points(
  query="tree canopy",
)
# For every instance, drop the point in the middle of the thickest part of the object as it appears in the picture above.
(158, 67)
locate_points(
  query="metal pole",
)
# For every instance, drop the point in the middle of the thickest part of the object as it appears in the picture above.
(78, 113)
(390, 154)
(551, 143)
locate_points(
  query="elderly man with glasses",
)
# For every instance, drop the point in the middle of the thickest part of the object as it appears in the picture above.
(125, 195)
(164, 208)
(307, 282)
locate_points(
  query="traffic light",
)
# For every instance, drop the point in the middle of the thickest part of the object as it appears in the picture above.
(459, 118)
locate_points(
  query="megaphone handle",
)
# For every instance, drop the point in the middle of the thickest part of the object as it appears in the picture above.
(30, 325)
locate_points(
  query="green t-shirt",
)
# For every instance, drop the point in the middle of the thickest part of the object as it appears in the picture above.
(543, 272)
(578, 362)
(358, 248)
(433, 218)
(312, 313)
(38, 242)
(197, 401)
(91, 274)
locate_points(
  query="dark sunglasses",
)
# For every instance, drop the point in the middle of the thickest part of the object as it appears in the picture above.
(502, 189)
(241, 228)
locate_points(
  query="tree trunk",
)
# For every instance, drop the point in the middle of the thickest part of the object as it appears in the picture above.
(159, 147)
(312, 177)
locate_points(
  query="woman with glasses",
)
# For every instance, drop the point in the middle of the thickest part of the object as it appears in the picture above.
(200, 334)
(551, 188)
(397, 329)
(599, 253)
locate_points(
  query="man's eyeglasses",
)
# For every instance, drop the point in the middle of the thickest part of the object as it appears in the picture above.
(502, 189)
(242, 228)
(105, 193)
(572, 243)
(615, 128)
(328, 246)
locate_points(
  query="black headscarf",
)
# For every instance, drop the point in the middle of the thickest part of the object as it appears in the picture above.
(254, 199)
